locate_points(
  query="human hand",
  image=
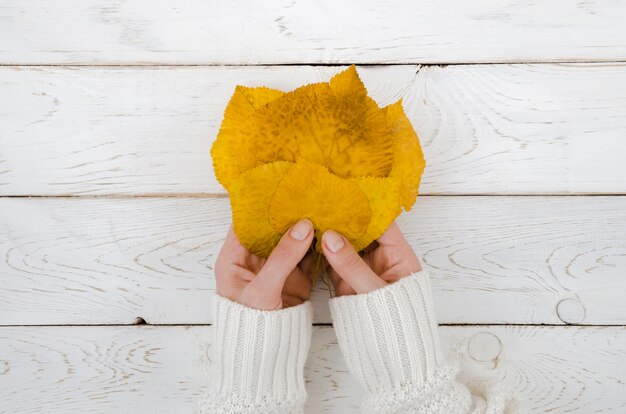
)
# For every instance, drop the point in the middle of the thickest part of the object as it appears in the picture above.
(277, 282)
(388, 259)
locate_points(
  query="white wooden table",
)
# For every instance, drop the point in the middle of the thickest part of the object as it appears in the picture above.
(110, 214)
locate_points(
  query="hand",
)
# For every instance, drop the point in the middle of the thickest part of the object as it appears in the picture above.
(386, 260)
(277, 282)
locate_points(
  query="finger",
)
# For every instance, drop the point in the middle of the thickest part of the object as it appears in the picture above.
(392, 236)
(341, 286)
(313, 265)
(370, 248)
(284, 258)
(307, 264)
(334, 278)
(348, 264)
(232, 250)
(289, 301)
(298, 285)
(254, 263)
(393, 241)
(229, 263)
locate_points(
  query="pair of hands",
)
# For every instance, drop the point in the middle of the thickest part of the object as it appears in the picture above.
(281, 280)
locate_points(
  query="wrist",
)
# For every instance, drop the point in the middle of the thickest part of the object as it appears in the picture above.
(389, 336)
(259, 356)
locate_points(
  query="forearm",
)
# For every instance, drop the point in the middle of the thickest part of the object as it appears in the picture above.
(390, 340)
(258, 359)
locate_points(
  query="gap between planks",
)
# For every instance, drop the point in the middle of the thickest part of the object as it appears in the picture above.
(330, 64)
(224, 195)
(484, 325)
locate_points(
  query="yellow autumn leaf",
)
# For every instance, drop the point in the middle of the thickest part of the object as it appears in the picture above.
(408, 159)
(329, 201)
(250, 198)
(325, 151)
(227, 150)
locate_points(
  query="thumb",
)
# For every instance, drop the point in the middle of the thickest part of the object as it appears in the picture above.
(284, 258)
(342, 257)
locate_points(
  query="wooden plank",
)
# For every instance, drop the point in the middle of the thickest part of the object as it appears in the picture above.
(526, 260)
(485, 129)
(165, 369)
(282, 31)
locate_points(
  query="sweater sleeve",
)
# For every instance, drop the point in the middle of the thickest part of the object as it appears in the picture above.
(390, 340)
(258, 359)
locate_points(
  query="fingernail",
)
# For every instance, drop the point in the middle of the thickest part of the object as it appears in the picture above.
(333, 241)
(301, 229)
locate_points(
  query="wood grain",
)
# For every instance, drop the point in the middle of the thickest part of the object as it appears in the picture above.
(98, 115)
(165, 369)
(485, 129)
(526, 260)
(285, 31)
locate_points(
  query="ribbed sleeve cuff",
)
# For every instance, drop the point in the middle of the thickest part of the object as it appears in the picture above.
(390, 341)
(259, 358)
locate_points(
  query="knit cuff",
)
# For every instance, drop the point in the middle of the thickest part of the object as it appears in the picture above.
(259, 358)
(389, 336)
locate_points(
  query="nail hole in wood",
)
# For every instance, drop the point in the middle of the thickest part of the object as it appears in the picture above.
(485, 347)
(140, 321)
(571, 311)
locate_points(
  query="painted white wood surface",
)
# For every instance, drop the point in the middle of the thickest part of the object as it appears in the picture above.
(526, 260)
(284, 31)
(132, 128)
(485, 129)
(165, 369)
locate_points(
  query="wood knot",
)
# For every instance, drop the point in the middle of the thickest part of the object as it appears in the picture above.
(4, 367)
(485, 347)
(571, 311)
(140, 321)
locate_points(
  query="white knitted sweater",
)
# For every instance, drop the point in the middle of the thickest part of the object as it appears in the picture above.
(389, 338)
